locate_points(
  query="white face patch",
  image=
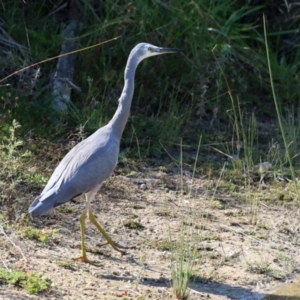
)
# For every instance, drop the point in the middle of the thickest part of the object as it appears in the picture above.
(146, 52)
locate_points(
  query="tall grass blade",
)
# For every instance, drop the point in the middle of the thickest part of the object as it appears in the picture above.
(278, 112)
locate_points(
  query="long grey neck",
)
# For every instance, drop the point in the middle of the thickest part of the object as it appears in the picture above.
(121, 115)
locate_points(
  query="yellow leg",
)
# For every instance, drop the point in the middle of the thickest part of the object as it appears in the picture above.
(82, 219)
(116, 246)
(83, 257)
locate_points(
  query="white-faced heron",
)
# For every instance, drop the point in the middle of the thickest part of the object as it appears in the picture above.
(89, 163)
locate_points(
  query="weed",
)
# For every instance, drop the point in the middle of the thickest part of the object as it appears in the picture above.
(132, 224)
(163, 169)
(216, 204)
(182, 261)
(184, 251)
(11, 159)
(32, 233)
(32, 282)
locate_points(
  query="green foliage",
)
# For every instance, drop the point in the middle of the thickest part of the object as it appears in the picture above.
(10, 161)
(182, 262)
(32, 233)
(176, 95)
(33, 283)
(132, 224)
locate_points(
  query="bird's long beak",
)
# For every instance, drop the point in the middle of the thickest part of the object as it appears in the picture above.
(161, 50)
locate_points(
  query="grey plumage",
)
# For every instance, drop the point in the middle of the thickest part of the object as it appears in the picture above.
(93, 160)
(87, 165)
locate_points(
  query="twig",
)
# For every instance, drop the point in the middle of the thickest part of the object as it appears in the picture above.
(12, 242)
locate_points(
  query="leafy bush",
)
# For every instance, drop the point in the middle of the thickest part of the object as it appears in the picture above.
(175, 95)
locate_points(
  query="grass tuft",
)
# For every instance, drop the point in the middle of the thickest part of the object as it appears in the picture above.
(132, 224)
(40, 235)
(33, 283)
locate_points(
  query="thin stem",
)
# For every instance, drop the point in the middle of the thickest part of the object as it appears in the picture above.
(286, 144)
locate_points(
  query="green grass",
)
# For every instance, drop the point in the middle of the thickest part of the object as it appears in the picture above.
(224, 44)
(33, 283)
(32, 233)
(279, 114)
(182, 263)
(132, 224)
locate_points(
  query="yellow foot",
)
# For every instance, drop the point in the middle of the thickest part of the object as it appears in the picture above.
(116, 246)
(84, 259)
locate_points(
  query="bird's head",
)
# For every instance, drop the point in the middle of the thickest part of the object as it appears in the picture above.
(144, 50)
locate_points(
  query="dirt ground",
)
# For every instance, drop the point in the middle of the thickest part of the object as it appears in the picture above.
(235, 257)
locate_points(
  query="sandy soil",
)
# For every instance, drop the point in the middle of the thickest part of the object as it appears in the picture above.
(234, 259)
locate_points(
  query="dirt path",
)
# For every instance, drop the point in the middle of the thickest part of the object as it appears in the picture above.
(233, 259)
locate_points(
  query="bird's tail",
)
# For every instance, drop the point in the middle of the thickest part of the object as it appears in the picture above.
(48, 200)
(43, 203)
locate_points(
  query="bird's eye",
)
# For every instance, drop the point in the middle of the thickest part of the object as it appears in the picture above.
(150, 49)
